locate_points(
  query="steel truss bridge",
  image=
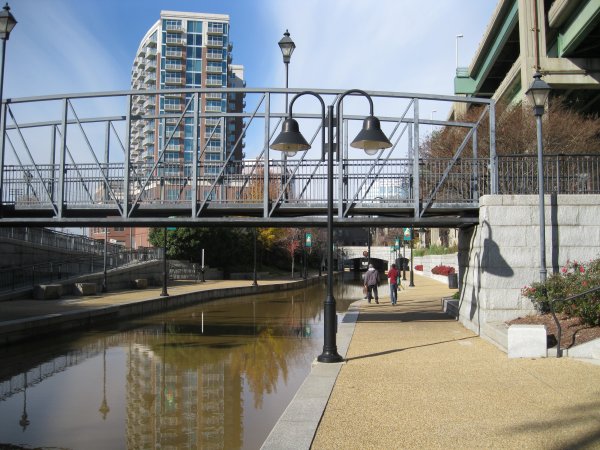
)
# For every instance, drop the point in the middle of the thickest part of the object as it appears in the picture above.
(83, 159)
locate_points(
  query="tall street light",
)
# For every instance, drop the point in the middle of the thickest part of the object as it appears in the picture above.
(7, 23)
(287, 47)
(458, 36)
(538, 94)
(370, 139)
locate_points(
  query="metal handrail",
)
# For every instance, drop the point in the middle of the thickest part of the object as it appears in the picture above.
(572, 297)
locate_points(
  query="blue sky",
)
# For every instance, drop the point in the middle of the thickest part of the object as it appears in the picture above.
(61, 46)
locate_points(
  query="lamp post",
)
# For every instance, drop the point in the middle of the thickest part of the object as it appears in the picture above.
(538, 94)
(370, 138)
(411, 283)
(458, 36)
(164, 292)
(287, 47)
(254, 277)
(7, 23)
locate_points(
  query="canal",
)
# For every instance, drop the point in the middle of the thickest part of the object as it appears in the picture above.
(215, 375)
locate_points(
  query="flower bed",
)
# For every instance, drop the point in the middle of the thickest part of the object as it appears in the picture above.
(574, 278)
(443, 270)
(419, 267)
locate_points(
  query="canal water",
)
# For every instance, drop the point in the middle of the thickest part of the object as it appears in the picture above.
(216, 375)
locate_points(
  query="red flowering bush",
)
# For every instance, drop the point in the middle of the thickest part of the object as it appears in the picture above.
(419, 267)
(574, 278)
(442, 270)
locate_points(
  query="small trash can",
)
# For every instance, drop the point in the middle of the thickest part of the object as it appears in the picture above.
(453, 281)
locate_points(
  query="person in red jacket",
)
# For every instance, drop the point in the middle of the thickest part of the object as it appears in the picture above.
(393, 277)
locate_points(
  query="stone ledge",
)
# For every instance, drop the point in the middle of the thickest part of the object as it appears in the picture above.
(140, 283)
(84, 288)
(527, 341)
(47, 291)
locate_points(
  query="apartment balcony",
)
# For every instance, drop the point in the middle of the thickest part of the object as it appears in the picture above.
(214, 56)
(214, 136)
(211, 108)
(212, 122)
(173, 107)
(175, 41)
(151, 53)
(148, 140)
(175, 134)
(174, 81)
(150, 77)
(142, 52)
(215, 29)
(214, 83)
(214, 69)
(174, 147)
(174, 28)
(213, 96)
(174, 54)
(173, 95)
(212, 42)
(152, 42)
(151, 66)
(175, 67)
(150, 128)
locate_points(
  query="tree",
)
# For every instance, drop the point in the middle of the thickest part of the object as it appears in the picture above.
(565, 132)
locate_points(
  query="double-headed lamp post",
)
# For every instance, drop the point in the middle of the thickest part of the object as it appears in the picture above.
(370, 139)
(537, 95)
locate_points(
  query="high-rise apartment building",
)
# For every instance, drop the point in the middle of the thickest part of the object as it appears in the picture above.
(184, 50)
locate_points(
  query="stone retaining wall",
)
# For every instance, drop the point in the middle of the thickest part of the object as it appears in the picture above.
(501, 255)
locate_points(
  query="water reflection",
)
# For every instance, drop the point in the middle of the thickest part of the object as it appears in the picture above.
(216, 375)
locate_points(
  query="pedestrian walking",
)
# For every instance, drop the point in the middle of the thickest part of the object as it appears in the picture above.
(393, 279)
(371, 282)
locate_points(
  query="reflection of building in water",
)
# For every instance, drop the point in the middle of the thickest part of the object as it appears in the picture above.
(196, 407)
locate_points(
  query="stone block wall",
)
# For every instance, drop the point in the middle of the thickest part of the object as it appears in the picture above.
(501, 255)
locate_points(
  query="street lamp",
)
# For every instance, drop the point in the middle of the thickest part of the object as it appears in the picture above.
(7, 23)
(458, 36)
(291, 140)
(164, 292)
(538, 94)
(287, 47)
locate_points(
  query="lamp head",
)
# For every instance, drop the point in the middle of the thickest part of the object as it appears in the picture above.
(538, 92)
(371, 138)
(7, 22)
(290, 140)
(287, 47)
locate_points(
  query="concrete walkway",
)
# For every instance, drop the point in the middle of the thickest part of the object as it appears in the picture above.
(415, 378)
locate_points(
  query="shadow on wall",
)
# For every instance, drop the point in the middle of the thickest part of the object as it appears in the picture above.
(489, 261)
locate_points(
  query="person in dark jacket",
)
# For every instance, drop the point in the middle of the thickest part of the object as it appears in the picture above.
(371, 282)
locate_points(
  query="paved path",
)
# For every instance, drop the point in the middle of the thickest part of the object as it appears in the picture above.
(415, 378)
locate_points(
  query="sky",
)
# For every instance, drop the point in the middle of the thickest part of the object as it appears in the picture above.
(65, 46)
(73, 46)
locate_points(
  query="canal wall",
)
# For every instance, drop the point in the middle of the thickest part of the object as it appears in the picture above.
(82, 318)
(501, 255)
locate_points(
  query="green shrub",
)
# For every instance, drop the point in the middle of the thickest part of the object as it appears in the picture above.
(574, 278)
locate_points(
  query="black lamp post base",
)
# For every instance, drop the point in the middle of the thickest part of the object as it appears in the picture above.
(164, 294)
(329, 357)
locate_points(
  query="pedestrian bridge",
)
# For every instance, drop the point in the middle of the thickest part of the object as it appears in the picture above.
(116, 159)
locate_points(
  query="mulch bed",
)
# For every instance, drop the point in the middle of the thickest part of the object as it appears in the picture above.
(574, 332)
